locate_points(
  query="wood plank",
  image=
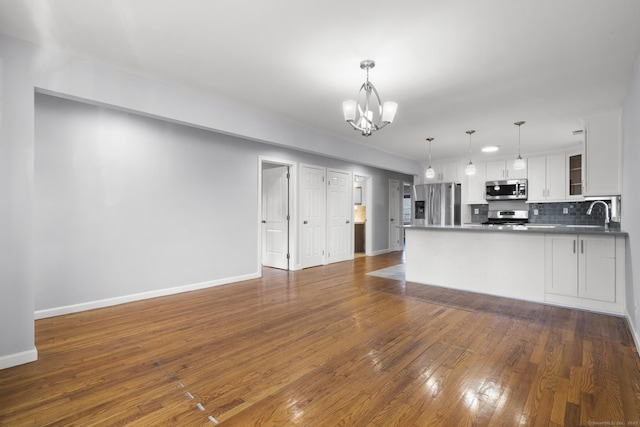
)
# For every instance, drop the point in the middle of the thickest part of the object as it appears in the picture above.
(328, 345)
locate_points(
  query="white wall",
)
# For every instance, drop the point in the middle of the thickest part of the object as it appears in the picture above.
(631, 197)
(16, 203)
(24, 67)
(129, 206)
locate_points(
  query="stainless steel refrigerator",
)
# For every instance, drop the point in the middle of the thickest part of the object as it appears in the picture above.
(437, 204)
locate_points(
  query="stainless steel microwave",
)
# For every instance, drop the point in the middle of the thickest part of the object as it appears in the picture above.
(512, 189)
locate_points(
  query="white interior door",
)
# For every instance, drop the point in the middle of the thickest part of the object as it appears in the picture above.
(313, 210)
(275, 217)
(395, 216)
(339, 216)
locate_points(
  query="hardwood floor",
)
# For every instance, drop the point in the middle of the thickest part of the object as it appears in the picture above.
(327, 346)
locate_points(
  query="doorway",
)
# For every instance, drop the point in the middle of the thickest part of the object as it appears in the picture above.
(275, 214)
(395, 216)
(361, 215)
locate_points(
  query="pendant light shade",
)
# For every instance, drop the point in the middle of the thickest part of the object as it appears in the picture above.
(430, 173)
(470, 169)
(519, 163)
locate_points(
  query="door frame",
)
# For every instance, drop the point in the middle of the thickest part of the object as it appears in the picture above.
(368, 197)
(395, 246)
(293, 214)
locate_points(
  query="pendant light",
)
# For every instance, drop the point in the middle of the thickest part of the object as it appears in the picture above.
(470, 169)
(519, 163)
(430, 173)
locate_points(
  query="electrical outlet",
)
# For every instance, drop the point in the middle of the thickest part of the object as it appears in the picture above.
(565, 210)
(476, 211)
(535, 211)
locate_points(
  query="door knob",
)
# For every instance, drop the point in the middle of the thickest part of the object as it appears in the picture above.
(264, 222)
(347, 222)
(304, 222)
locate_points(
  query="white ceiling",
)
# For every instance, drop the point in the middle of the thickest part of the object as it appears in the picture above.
(452, 65)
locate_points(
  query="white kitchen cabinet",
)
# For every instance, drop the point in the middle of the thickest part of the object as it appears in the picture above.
(561, 265)
(503, 169)
(546, 178)
(445, 172)
(476, 185)
(583, 270)
(574, 184)
(602, 152)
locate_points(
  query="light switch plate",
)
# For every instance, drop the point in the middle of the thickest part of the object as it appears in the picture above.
(565, 210)
(476, 211)
(535, 211)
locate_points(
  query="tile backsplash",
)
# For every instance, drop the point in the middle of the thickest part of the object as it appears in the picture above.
(552, 213)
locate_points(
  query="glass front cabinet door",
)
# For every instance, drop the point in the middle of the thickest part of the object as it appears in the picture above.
(574, 171)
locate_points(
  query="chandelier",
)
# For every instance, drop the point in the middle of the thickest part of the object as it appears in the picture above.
(368, 114)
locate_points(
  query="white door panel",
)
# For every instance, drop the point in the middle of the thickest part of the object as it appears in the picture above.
(395, 217)
(340, 211)
(275, 217)
(313, 215)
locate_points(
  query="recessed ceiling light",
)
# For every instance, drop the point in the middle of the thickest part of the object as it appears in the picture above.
(490, 148)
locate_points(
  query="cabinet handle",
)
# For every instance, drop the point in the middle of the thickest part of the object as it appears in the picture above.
(581, 246)
(574, 246)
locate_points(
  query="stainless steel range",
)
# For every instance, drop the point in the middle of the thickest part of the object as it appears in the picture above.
(507, 217)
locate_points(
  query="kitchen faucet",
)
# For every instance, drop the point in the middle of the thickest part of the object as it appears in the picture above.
(606, 212)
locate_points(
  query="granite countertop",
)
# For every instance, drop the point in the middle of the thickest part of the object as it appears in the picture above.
(529, 228)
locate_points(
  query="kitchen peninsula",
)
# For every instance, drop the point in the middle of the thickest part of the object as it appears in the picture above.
(573, 266)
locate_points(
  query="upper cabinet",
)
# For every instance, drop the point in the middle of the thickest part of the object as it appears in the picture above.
(445, 172)
(503, 169)
(475, 185)
(574, 176)
(602, 150)
(547, 178)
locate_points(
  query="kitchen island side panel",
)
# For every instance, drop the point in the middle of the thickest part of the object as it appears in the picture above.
(502, 264)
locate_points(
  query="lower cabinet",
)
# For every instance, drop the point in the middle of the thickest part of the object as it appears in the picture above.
(585, 271)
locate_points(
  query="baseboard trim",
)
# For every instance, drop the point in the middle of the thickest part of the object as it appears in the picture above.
(380, 252)
(634, 333)
(75, 308)
(21, 358)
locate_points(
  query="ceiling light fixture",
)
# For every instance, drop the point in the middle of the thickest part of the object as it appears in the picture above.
(370, 117)
(470, 169)
(490, 148)
(430, 173)
(519, 163)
